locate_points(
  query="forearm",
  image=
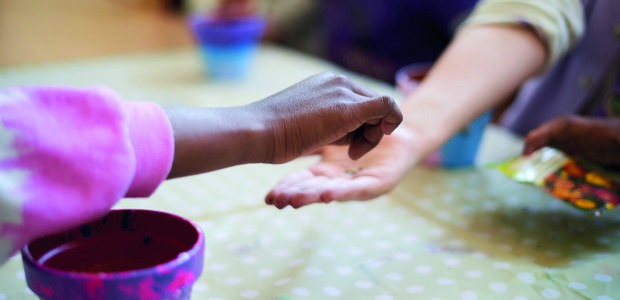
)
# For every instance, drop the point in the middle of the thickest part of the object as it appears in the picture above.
(559, 24)
(319, 110)
(479, 70)
(208, 139)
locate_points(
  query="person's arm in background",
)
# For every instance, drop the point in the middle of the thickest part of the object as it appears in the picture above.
(501, 45)
(457, 90)
(67, 155)
(504, 43)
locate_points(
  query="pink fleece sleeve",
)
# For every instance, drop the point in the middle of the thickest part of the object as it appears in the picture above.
(67, 155)
(151, 137)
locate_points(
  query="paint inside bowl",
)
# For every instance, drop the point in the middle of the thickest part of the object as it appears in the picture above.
(103, 247)
(113, 253)
(120, 256)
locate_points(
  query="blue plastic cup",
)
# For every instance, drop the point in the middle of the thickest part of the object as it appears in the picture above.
(227, 46)
(462, 148)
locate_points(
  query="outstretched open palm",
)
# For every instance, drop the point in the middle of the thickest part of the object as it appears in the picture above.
(337, 177)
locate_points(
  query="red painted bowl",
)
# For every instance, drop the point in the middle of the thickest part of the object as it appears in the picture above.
(128, 254)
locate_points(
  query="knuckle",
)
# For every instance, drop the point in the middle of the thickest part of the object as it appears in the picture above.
(340, 79)
(564, 121)
(341, 91)
(386, 100)
(337, 93)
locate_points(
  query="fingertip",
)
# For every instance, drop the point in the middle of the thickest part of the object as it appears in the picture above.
(395, 115)
(269, 197)
(533, 142)
(280, 202)
(388, 127)
(356, 152)
(335, 193)
(297, 202)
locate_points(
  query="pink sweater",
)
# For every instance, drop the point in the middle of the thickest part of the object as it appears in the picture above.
(67, 155)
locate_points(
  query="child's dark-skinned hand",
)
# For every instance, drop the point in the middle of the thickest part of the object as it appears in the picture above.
(324, 109)
(594, 139)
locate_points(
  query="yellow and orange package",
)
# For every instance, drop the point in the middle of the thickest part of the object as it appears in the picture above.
(578, 183)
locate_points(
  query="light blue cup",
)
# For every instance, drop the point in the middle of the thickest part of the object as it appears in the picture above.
(228, 62)
(462, 148)
(227, 46)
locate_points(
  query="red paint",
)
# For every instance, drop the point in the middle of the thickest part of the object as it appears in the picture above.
(109, 248)
(121, 251)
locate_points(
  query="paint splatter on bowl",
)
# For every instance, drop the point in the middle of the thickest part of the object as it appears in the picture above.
(128, 254)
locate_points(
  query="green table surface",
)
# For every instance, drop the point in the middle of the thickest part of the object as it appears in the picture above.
(441, 234)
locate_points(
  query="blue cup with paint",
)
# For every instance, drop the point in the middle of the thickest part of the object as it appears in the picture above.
(227, 46)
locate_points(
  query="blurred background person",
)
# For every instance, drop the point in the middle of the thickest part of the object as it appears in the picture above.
(374, 38)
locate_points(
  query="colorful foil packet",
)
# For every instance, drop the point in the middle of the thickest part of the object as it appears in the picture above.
(581, 184)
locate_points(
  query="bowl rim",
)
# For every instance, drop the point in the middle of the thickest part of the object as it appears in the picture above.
(180, 259)
(403, 73)
(246, 24)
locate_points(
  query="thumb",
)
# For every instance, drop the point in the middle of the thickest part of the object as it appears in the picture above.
(381, 109)
(550, 133)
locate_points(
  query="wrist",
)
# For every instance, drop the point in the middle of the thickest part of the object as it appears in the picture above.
(208, 139)
(431, 120)
(255, 136)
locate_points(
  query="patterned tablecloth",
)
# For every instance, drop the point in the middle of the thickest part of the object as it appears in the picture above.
(441, 234)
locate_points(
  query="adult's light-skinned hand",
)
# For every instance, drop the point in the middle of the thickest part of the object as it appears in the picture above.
(338, 178)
